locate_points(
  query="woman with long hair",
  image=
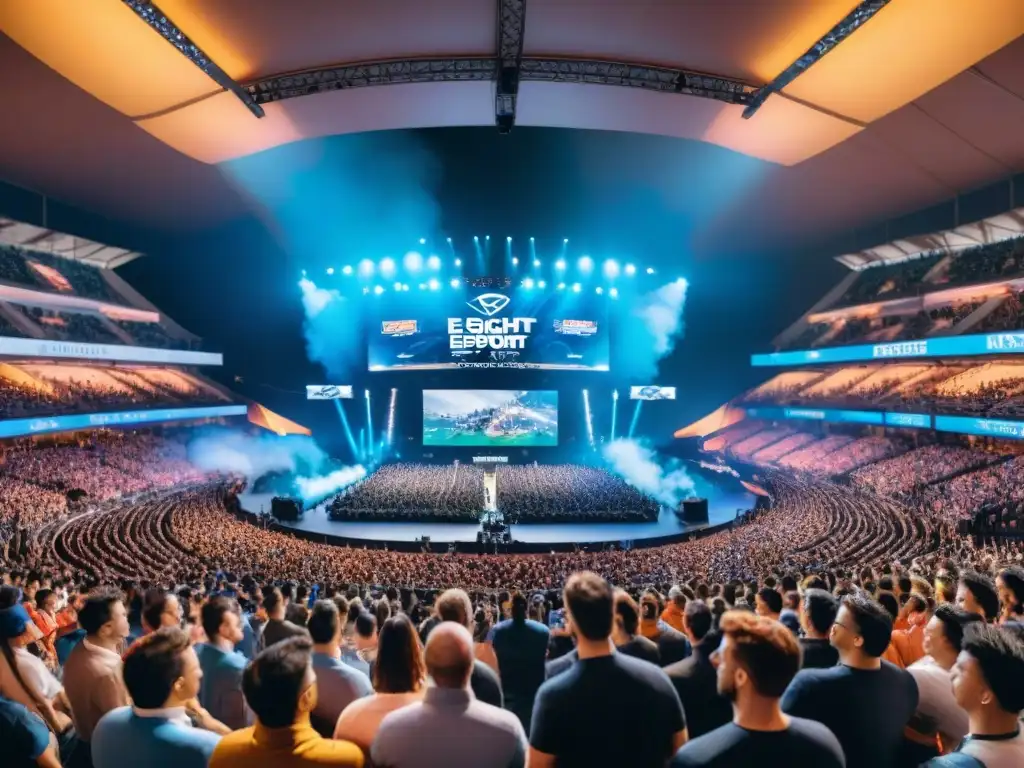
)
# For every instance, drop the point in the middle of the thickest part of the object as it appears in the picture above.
(399, 678)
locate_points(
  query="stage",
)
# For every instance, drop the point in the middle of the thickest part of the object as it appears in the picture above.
(724, 494)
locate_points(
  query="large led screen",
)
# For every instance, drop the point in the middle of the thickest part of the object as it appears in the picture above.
(499, 418)
(465, 327)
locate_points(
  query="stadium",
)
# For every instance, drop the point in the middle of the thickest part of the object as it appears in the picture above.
(512, 383)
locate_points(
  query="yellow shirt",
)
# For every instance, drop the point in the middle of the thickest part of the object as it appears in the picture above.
(297, 745)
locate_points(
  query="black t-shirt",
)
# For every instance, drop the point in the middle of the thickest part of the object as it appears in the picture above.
(865, 709)
(486, 684)
(642, 648)
(804, 743)
(609, 710)
(818, 654)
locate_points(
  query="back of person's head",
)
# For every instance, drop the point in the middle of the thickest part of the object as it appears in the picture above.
(589, 599)
(788, 583)
(98, 610)
(1011, 584)
(278, 683)
(821, 608)
(399, 667)
(272, 599)
(154, 605)
(815, 582)
(627, 612)
(888, 601)
(42, 596)
(992, 660)
(904, 583)
(874, 624)
(382, 611)
(771, 599)
(954, 621)
(763, 649)
(366, 624)
(155, 667)
(677, 597)
(297, 614)
(982, 589)
(342, 603)
(520, 605)
(698, 619)
(454, 605)
(324, 623)
(213, 612)
(449, 655)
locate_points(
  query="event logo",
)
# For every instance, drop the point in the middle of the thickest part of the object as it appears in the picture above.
(488, 304)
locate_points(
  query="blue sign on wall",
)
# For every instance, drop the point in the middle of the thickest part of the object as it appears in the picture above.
(913, 420)
(19, 427)
(817, 414)
(988, 427)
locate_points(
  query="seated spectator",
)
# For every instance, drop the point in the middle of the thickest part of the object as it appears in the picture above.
(988, 683)
(454, 605)
(939, 723)
(757, 660)
(277, 627)
(977, 593)
(624, 630)
(694, 677)
(92, 675)
(865, 702)
(399, 678)
(338, 684)
(280, 688)
(450, 727)
(26, 739)
(818, 611)
(573, 723)
(221, 689)
(1010, 584)
(520, 645)
(161, 674)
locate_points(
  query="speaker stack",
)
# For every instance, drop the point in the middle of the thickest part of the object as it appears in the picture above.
(693, 511)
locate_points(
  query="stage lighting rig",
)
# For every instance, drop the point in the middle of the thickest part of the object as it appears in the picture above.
(511, 25)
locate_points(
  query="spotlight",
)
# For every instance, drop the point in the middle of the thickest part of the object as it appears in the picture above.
(476, 238)
(541, 284)
(613, 292)
(365, 268)
(531, 239)
(599, 290)
(455, 282)
(346, 270)
(366, 394)
(398, 286)
(611, 268)
(303, 273)
(413, 261)
(528, 283)
(630, 270)
(576, 287)
(434, 262)
(650, 270)
(586, 263)
(508, 239)
(366, 290)
(565, 241)
(448, 239)
(515, 261)
(423, 241)
(487, 237)
(378, 289)
(387, 266)
(560, 264)
(536, 262)
(405, 286)
(433, 284)
(423, 286)
(561, 286)
(458, 262)
(330, 271)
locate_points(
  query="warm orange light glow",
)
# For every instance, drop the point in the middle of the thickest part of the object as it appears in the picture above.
(722, 417)
(819, 16)
(192, 19)
(262, 416)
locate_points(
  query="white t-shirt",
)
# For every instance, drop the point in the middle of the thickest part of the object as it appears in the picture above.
(936, 702)
(34, 673)
(1006, 753)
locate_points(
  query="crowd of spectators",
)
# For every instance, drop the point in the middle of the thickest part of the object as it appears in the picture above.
(888, 281)
(560, 493)
(911, 471)
(151, 335)
(69, 326)
(414, 493)
(7, 329)
(85, 280)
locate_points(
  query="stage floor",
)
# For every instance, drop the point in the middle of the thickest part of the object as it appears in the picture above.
(722, 507)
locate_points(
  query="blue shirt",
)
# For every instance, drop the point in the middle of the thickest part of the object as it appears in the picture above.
(220, 692)
(521, 648)
(23, 734)
(247, 645)
(123, 738)
(337, 686)
(66, 644)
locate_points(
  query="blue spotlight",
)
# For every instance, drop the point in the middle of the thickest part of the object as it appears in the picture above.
(346, 270)
(448, 239)
(413, 261)
(487, 237)
(560, 264)
(366, 289)
(586, 263)
(613, 292)
(528, 283)
(650, 270)
(423, 286)
(365, 268)
(434, 262)
(455, 282)
(515, 261)
(405, 286)
(630, 270)
(458, 262)
(303, 273)
(387, 266)
(531, 239)
(561, 286)
(565, 241)
(599, 290)
(541, 284)
(398, 287)
(477, 239)
(611, 268)
(423, 241)
(433, 284)
(330, 271)
(576, 287)
(508, 239)
(378, 289)
(536, 262)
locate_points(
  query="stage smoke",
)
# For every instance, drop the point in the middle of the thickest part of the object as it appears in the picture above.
(637, 465)
(252, 457)
(650, 331)
(314, 489)
(333, 330)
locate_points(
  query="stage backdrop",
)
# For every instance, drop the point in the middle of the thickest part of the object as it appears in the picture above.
(497, 418)
(464, 327)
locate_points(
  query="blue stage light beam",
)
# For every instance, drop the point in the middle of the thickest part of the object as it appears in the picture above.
(455, 282)
(378, 290)
(560, 265)
(630, 270)
(423, 241)
(346, 270)
(349, 437)
(613, 292)
(615, 411)
(434, 262)
(576, 287)
(391, 418)
(369, 425)
(413, 261)
(528, 283)
(636, 418)
(541, 284)
(590, 422)
(585, 264)
(387, 267)
(362, 445)
(611, 268)
(366, 268)
(330, 271)
(433, 284)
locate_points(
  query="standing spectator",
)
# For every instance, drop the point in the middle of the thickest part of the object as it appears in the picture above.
(454, 605)
(939, 723)
(768, 603)
(399, 678)
(92, 675)
(277, 628)
(818, 610)
(338, 684)
(624, 630)
(162, 674)
(673, 613)
(988, 682)
(573, 724)
(280, 687)
(365, 640)
(161, 609)
(977, 593)
(450, 727)
(521, 646)
(26, 739)
(672, 644)
(758, 658)
(222, 665)
(695, 679)
(865, 702)
(789, 616)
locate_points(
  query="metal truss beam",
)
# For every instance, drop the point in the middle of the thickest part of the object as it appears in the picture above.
(157, 20)
(511, 26)
(853, 21)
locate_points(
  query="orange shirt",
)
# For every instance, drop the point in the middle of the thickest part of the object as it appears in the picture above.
(294, 746)
(673, 616)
